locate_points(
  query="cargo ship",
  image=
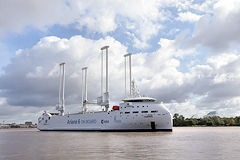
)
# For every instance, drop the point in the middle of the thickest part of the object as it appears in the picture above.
(134, 113)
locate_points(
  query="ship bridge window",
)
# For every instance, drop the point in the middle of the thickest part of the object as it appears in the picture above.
(144, 111)
(127, 112)
(154, 111)
(135, 111)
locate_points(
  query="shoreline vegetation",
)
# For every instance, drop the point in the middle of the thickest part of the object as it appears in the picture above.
(14, 125)
(214, 121)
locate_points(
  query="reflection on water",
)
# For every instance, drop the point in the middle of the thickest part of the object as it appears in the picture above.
(183, 143)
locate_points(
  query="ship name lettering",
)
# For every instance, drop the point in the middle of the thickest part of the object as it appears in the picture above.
(72, 121)
(89, 121)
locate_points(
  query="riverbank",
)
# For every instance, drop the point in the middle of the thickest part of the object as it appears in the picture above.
(210, 121)
(14, 125)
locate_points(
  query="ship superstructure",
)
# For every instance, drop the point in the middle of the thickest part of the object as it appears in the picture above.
(135, 113)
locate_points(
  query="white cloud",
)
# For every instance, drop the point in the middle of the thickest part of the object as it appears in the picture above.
(205, 6)
(16, 15)
(143, 18)
(188, 17)
(96, 16)
(103, 22)
(219, 30)
(221, 60)
(188, 109)
(37, 73)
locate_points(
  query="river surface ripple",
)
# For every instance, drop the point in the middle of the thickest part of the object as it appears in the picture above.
(183, 143)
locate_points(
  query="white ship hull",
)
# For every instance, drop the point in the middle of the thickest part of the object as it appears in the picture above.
(157, 118)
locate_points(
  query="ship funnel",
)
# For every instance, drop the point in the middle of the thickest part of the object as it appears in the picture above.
(103, 100)
(61, 104)
(130, 74)
(84, 89)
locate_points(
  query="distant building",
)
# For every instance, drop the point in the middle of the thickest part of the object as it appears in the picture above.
(211, 114)
(4, 126)
(28, 123)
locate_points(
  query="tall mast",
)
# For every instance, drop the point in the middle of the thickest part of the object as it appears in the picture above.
(125, 69)
(105, 100)
(84, 97)
(63, 86)
(130, 73)
(61, 104)
(102, 74)
(60, 85)
(82, 90)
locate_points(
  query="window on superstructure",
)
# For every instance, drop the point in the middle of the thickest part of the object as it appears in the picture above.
(154, 111)
(144, 111)
(127, 112)
(135, 111)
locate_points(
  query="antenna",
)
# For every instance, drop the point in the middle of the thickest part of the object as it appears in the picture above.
(61, 104)
(130, 73)
(84, 98)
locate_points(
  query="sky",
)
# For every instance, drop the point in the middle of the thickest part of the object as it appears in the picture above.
(185, 53)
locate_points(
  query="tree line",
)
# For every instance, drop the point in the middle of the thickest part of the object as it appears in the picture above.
(180, 120)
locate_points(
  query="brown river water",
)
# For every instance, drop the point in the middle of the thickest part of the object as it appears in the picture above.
(183, 143)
